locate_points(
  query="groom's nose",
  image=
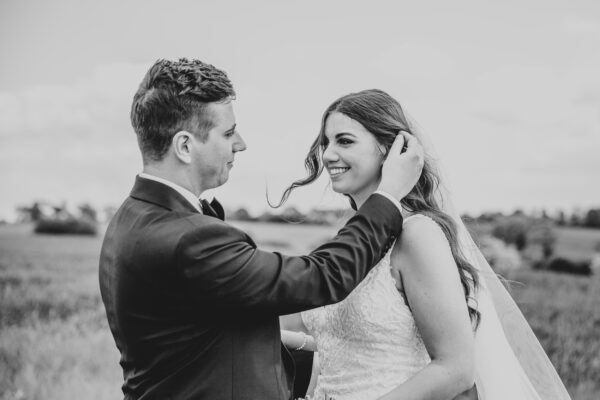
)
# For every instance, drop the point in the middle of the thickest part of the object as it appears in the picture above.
(239, 144)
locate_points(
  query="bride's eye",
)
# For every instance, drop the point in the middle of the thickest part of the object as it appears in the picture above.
(345, 142)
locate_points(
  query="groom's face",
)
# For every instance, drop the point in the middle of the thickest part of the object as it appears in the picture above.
(214, 158)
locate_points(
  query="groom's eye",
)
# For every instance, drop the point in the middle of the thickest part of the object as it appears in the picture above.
(231, 131)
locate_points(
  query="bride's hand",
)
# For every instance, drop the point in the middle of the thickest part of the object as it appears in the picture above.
(401, 169)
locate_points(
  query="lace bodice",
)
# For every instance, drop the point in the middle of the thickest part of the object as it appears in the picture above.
(368, 344)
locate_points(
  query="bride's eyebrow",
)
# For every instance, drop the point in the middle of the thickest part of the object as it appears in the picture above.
(338, 135)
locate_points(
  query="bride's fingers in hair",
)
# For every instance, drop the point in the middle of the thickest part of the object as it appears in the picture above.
(406, 135)
(413, 148)
(398, 144)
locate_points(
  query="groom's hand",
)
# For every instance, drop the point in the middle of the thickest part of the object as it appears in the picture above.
(401, 169)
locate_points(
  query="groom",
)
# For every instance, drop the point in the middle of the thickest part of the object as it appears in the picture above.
(192, 303)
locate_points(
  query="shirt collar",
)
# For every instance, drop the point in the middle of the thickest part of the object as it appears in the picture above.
(189, 196)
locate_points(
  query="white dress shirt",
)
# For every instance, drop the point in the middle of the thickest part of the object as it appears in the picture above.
(189, 196)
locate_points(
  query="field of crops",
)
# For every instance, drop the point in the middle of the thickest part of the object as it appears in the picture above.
(55, 343)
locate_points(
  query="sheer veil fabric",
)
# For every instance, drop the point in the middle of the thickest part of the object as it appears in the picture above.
(510, 362)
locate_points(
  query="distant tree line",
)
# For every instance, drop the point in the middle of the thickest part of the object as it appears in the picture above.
(59, 219)
(62, 219)
(584, 219)
(293, 215)
(517, 228)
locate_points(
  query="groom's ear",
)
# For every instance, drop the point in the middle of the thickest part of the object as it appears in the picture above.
(182, 146)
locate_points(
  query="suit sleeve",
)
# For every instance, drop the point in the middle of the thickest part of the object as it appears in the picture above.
(222, 266)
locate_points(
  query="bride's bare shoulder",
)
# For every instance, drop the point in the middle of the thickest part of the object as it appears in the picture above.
(422, 239)
(419, 228)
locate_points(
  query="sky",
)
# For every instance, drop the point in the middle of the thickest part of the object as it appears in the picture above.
(508, 93)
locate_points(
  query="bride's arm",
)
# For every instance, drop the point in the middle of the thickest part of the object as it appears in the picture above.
(434, 292)
(294, 334)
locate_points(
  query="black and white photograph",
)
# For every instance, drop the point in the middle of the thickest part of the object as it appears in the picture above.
(317, 200)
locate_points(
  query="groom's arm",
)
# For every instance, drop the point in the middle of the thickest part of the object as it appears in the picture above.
(223, 266)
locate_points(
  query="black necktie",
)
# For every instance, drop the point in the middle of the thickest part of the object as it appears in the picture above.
(213, 209)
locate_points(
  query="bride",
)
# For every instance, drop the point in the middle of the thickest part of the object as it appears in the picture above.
(431, 320)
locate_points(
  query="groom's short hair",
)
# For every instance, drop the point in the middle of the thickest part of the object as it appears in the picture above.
(173, 97)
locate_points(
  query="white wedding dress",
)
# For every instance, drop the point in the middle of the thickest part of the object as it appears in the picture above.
(368, 344)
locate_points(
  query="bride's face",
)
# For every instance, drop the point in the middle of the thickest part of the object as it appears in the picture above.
(352, 156)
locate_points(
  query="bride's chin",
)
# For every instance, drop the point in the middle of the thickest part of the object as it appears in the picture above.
(338, 189)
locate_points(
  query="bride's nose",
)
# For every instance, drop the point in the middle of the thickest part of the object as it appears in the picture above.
(330, 155)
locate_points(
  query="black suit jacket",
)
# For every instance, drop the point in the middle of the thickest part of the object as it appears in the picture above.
(193, 305)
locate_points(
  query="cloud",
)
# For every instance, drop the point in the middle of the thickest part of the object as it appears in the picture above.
(71, 141)
(581, 26)
(498, 118)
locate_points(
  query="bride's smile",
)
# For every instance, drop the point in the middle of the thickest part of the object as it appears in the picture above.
(335, 172)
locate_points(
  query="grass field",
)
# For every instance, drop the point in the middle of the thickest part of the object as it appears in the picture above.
(55, 343)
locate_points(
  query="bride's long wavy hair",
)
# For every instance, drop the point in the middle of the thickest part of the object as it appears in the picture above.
(383, 117)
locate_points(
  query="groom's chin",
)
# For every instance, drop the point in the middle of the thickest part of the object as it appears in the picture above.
(221, 181)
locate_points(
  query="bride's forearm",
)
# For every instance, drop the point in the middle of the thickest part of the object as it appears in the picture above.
(437, 381)
(298, 340)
